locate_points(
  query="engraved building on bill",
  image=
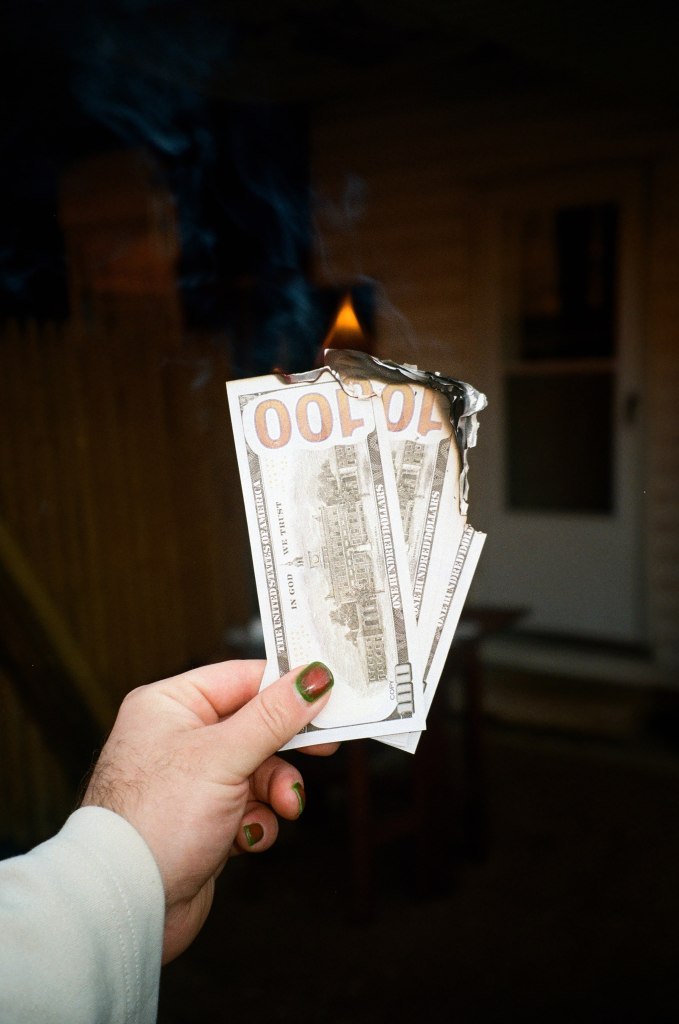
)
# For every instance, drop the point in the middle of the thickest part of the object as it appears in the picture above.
(408, 459)
(348, 558)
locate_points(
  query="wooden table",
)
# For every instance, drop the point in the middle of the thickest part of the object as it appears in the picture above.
(419, 818)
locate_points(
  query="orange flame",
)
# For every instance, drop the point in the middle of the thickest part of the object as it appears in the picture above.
(346, 319)
(345, 331)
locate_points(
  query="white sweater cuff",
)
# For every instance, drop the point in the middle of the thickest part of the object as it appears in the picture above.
(82, 916)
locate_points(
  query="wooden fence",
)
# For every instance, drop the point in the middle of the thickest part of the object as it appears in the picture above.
(119, 495)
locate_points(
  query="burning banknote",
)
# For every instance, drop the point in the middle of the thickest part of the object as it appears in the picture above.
(355, 485)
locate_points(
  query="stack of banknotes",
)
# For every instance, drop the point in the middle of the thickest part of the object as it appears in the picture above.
(355, 483)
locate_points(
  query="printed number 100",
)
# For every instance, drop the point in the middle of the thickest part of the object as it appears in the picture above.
(313, 419)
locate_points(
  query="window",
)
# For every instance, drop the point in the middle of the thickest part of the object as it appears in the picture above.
(560, 348)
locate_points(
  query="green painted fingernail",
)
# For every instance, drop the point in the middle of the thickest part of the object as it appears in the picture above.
(313, 681)
(254, 833)
(301, 795)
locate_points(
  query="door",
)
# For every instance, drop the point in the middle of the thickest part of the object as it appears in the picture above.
(558, 467)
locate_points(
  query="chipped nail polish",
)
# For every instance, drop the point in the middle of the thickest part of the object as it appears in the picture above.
(301, 795)
(313, 681)
(254, 833)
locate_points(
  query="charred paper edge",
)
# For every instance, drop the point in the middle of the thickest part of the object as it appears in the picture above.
(347, 365)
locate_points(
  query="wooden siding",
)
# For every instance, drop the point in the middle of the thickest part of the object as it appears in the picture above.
(662, 405)
(397, 196)
(119, 493)
(408, 230)
(119, 486)
(117, 480)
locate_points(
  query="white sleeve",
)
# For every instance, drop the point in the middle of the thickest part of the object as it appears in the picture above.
(81, 926)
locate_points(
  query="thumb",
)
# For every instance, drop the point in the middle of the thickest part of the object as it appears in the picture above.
(275, 715)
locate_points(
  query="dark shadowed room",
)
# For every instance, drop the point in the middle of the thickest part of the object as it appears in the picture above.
(209, 192)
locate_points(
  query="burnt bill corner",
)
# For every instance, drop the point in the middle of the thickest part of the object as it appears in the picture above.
(348, 365)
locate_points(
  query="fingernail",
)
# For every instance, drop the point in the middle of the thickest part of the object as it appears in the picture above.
(313, 681)
(301, 795)
(253, 833)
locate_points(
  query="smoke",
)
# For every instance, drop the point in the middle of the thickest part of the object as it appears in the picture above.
(145, 70)
(160, 77)
(163, 77)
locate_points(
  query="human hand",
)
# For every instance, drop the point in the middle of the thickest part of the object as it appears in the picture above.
(190, 764)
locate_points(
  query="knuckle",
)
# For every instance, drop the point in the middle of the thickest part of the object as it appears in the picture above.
(273, 716)
(135, 697)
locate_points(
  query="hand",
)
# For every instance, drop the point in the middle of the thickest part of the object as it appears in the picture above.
(190, 764)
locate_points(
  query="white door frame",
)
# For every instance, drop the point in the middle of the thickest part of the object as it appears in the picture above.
(578, 574)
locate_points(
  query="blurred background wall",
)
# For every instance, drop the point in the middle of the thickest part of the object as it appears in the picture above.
(188, 190)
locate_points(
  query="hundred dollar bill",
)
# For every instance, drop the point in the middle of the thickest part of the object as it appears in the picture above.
(328, 550)
(427, 469)
(443, 550)
(440, 638)
(432, 422)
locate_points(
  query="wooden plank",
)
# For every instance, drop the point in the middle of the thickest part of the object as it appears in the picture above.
(51, 675)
